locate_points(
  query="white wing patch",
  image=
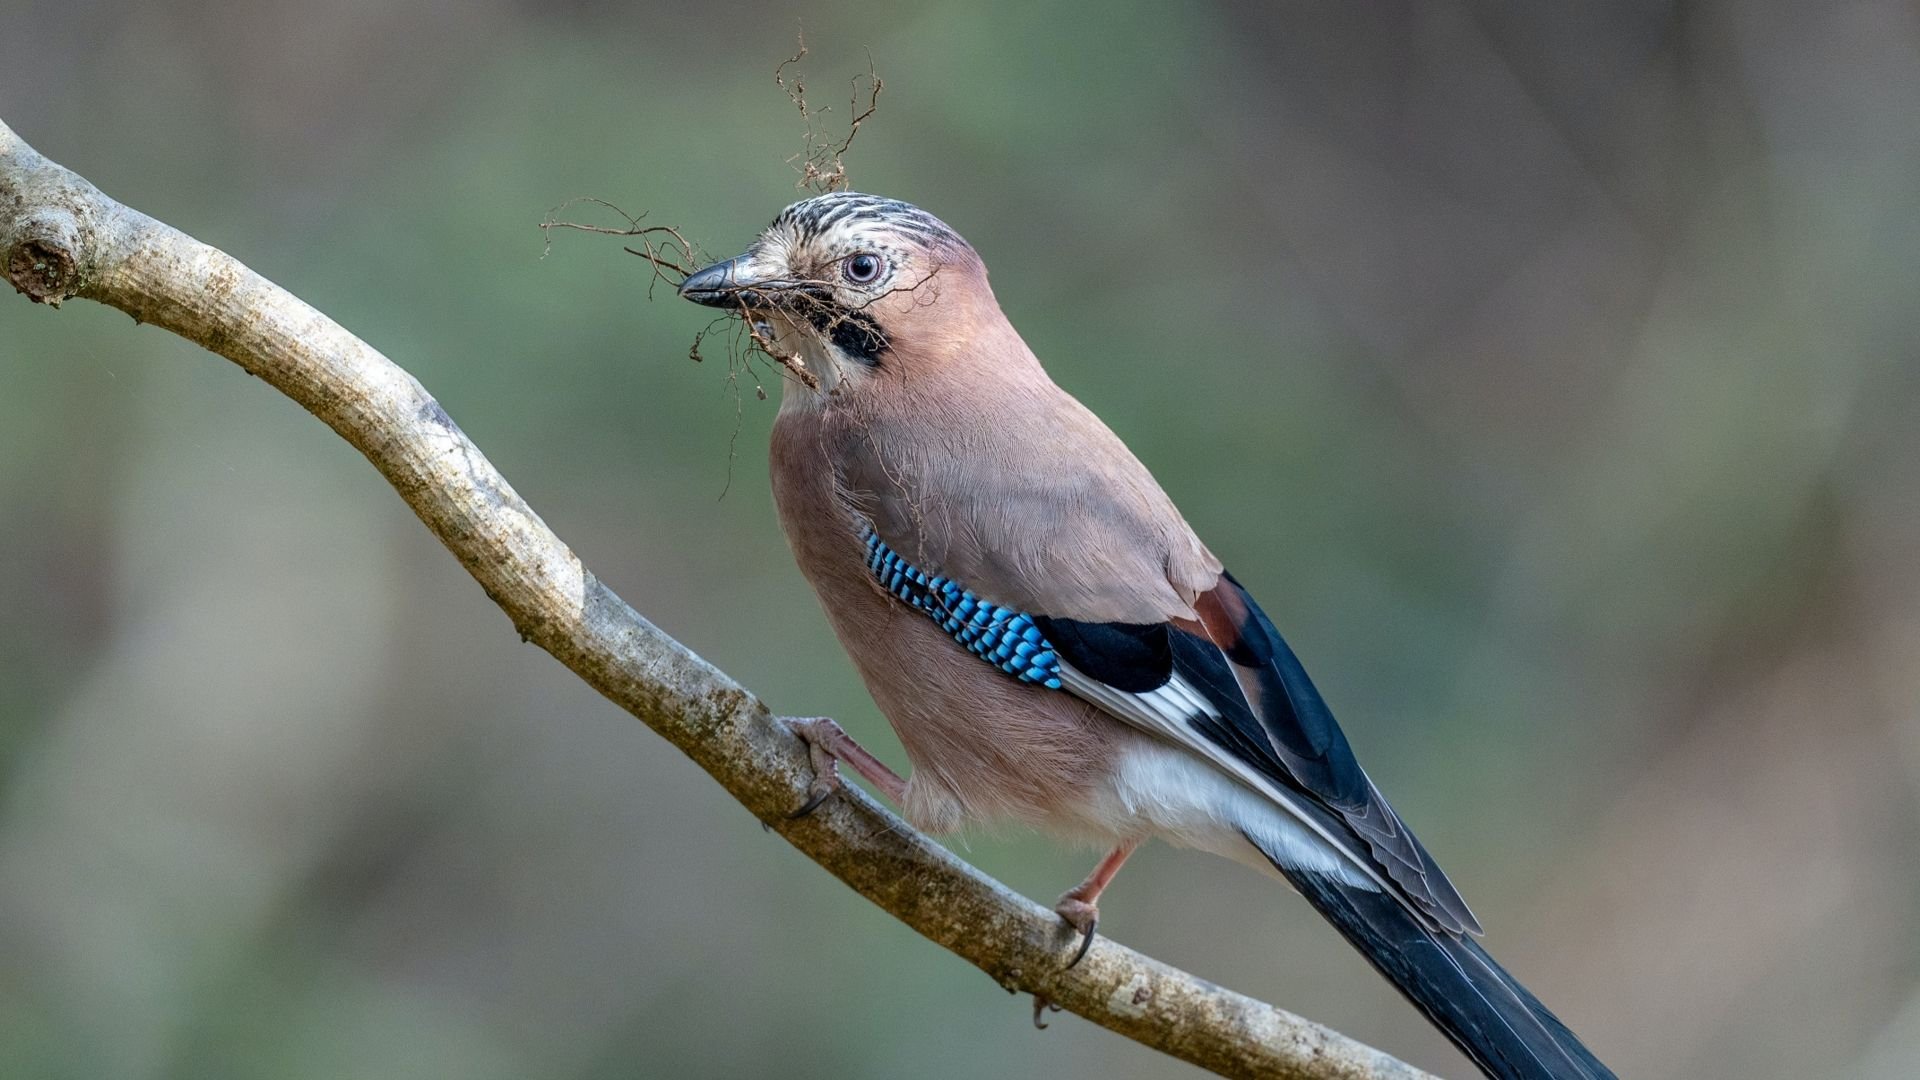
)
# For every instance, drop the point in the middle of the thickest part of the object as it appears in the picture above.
(1185, 800)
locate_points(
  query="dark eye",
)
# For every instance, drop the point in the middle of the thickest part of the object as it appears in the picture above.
(862, 269)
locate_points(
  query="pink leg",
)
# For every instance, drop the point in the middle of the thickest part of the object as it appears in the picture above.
(1080, 905)
(828, 744)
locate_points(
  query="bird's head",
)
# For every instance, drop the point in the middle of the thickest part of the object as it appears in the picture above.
(854, 285)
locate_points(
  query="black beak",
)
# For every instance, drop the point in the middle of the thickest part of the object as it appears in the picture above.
(721, 285)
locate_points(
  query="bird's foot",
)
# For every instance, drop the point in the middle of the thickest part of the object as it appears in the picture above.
(1042, 1004)
(827, 746)
(1080, 905)
(826, 769)
(1084, 917)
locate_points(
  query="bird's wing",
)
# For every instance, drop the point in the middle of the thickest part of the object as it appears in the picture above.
(1227, 686)
(1065, 548)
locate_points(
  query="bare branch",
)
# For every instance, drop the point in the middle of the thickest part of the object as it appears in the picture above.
(62, 238)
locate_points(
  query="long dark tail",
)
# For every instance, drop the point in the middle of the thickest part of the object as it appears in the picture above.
(1484, 1010)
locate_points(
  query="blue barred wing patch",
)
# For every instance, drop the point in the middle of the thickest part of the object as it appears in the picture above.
(1001, 636)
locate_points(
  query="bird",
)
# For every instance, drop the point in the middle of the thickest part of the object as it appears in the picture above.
(1047, 636)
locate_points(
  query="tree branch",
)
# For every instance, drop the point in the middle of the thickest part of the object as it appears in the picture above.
(62, 238)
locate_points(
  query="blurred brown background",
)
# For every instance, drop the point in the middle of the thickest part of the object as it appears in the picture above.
(1548, 371)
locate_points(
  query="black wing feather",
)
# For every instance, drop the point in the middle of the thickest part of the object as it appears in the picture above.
(1305, 740)
(1271, 717)
(1135, 657)
(1308, 732)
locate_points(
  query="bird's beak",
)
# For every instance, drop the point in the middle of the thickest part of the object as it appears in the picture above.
(731, 283)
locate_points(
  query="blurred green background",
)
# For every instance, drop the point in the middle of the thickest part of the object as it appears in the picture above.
(1549, 374)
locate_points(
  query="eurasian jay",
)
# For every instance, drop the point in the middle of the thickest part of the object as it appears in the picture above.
(1048, 637)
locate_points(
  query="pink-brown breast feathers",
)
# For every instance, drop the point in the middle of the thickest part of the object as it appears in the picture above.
(983, 745)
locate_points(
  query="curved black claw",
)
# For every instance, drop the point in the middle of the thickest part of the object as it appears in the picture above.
(818, 799)
(1042, 1004)
(1086, 942)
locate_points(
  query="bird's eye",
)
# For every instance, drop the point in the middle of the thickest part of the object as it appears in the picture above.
(862, 269)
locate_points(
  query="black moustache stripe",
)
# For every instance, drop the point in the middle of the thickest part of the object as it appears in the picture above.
(852, 332)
